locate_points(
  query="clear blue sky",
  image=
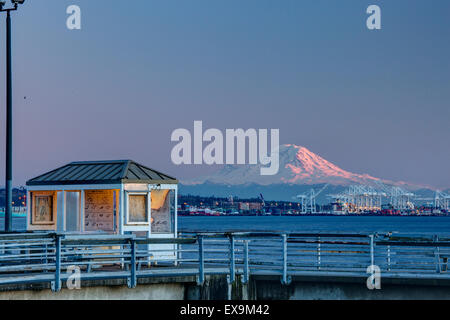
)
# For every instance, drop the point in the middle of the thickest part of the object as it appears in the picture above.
(372, 102)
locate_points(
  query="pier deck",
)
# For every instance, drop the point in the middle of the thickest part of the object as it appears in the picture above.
(50, 258)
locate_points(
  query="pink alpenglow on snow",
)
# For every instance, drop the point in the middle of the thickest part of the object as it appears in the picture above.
(308, 167)
(298, 166)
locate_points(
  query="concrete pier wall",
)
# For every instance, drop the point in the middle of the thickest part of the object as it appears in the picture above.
(168, 291)
(258, 288)
(307, 290)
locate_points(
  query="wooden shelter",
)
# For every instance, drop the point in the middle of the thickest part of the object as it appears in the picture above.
(115, 197)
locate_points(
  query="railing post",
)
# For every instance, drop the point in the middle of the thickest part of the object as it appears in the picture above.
(178, 254)
(232, 276)
(437, 255)
(285, 278)
(56, 284)
(201, 261)
(246, 264)
(132, 280)
(45, 261)
(318, 253)
(389, 258)
(372, 250)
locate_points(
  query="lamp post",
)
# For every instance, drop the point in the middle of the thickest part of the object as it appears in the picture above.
(8, 173)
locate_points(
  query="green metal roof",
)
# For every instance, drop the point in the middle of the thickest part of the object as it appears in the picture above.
(102, 172)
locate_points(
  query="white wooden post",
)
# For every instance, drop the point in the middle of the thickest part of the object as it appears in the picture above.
(121, 208)
(61, 215)
(64, 210)
(149, 233)
(82, 205)
(116, 211)
(28, 209)
(149, 212)
(175, 229)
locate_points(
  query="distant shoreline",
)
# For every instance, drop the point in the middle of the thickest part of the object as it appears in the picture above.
(23, 215)
(15, 214)
(318, 215)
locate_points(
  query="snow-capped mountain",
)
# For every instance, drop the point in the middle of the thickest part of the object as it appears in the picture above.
(298, 166)
(300, 171)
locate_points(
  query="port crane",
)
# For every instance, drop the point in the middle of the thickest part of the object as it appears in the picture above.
(399, 198)
(442, 201)
(308, 200)
(263, 204)
(363, 198)
(360, 198)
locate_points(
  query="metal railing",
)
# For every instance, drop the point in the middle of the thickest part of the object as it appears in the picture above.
(51, 257)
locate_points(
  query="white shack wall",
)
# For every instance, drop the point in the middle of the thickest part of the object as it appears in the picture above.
(145, 189)
(60, 209)
(122, 192)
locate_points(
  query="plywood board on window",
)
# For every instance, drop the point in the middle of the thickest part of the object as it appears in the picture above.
(137, 208)
(43, 208)
(161, 213)
(99, 210)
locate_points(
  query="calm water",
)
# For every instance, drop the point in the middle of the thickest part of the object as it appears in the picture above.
(423, 225)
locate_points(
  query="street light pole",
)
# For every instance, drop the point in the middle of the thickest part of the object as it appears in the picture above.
(8, 173)
(8, 184)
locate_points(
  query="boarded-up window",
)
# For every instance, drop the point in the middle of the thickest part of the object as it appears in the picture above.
(137, 211)
(162, 211)
(43, 209)
(99, 210)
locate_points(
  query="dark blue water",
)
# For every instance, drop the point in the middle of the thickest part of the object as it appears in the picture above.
(19, 223)
(423, 225)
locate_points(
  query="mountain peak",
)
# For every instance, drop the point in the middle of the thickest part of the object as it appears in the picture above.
(305, 167)
(298, 166)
